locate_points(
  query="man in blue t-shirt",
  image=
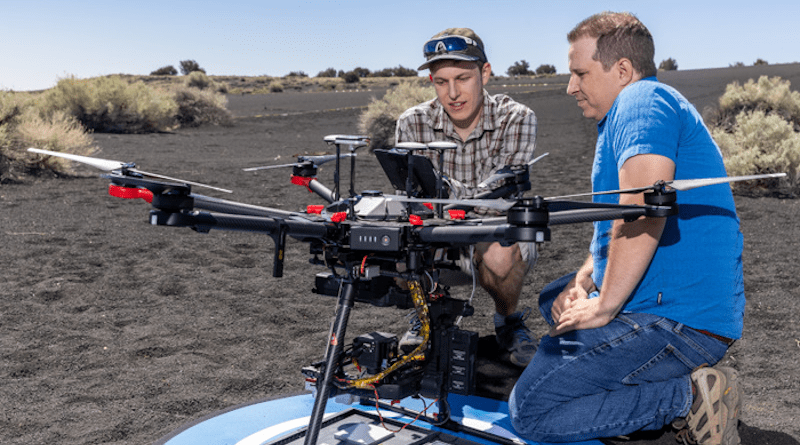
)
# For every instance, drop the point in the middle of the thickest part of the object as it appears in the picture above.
(657, 298)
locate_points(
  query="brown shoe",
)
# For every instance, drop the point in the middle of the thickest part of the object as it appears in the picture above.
(714, 416)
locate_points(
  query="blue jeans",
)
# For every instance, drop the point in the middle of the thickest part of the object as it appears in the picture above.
(630, 375)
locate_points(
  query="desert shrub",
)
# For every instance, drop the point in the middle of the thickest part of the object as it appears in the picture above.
(22, 125)
(11, 106)
(668, 65)
(275, 87)
(520, 68)
(771, 95)
(196, 107)
(190, 66)
(757, 127)
(168, 70)
(545, 70)
(351, 77)
(199, 80)
(760, 61)
(399, 71)
(380, 117)
(330, 72)
(110, 104)
(57, 132)
(760, 143)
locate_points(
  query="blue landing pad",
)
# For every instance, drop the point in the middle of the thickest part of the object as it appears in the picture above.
(277, 420)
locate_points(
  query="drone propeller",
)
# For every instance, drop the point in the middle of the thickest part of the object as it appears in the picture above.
(679, 184)
(505, 204)
(503, 173)
(316, 160)
(110, 166)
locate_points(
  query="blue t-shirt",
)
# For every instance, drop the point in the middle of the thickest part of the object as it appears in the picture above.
(695, 277)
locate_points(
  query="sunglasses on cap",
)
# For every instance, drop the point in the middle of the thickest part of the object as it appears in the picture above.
(448, 44)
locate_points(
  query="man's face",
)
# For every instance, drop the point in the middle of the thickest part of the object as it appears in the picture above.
(459, 87)
(593, 87)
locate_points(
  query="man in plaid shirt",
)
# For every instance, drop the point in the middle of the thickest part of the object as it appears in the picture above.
(490, 132)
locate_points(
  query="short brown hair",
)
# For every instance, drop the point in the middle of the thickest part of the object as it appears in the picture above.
(619, 35)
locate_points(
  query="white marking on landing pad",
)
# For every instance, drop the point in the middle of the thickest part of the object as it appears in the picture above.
(273, 432)
(266, 434)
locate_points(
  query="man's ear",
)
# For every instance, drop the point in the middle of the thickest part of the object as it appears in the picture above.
(486, 73)
(625, 71)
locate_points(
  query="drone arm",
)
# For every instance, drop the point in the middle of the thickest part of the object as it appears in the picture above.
(324, 192)
(205, 221)
(463, 235)
(314, 186)
(237, 208)
(586, 215)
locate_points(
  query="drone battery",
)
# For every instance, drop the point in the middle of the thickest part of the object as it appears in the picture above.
(463, 350)
(386, 239)
(375, 351)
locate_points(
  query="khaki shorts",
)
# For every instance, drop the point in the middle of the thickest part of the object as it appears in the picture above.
(528, 251)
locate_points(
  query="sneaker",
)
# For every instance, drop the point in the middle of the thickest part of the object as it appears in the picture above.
(412, 338)
(516, 338)
(714, 416)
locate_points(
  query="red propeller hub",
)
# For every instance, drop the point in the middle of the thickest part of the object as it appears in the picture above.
(119, 191)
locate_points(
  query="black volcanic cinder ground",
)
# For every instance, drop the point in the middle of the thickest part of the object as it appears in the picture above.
(115, 331)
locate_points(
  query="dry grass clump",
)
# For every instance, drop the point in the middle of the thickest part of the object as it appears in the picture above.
(757, 127)
(380, 118)
(59, 132)
(112, 105)
(198, 107)
(22, 125)
(63, 118)
(201, 81)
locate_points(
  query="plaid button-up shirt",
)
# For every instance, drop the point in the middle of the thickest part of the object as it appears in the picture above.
(505, 135)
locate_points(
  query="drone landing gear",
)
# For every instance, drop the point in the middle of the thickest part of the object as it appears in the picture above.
(374, 370)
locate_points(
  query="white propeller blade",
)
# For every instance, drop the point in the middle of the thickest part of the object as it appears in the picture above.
(538, 158)
(679, 184)
(688, 184)
(109, 166)
(102, 164)
(269, 167)
(498, 176)
(168, 178)
(316, 160)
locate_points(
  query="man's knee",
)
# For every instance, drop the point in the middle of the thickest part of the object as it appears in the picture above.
(501, 261)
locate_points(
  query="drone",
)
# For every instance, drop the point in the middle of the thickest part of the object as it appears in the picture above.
(369, 242)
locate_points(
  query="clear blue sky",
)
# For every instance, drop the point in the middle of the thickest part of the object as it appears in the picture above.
(43, 41)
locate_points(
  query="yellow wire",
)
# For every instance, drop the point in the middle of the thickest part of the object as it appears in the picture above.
(418, 353)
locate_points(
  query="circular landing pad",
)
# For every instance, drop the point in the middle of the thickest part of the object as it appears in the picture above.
(284, 420)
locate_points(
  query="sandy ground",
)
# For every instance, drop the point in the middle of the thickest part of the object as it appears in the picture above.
(114, 331)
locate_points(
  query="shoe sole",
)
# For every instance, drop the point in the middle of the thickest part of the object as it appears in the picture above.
(732, 403)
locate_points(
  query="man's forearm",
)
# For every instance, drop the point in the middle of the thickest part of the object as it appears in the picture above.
(631, 249)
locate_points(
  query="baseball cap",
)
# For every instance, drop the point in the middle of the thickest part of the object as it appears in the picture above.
(453, 44)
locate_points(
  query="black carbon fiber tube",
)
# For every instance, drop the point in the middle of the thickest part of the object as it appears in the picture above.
(204, 221)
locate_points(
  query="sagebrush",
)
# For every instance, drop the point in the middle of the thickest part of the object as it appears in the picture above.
(757, 128)
(63, 118)
(198, 107)
(380, 117)
(112, 105)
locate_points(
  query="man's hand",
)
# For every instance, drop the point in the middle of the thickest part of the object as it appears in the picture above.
(582, 313)
(565, 300)
(577, 289)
